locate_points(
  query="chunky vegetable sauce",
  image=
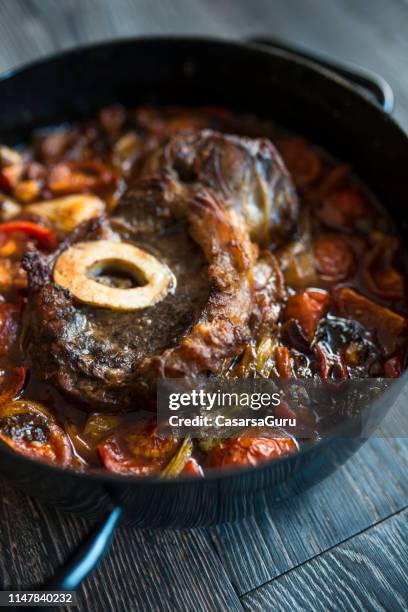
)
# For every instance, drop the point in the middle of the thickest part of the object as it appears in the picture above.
(339, 307)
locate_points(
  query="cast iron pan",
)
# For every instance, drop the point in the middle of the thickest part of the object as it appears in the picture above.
(344, 109)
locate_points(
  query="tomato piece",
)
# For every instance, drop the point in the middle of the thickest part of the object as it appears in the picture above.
(307, 308)
(331, 365)
(379, 273)
(137, 449)
(303, 164)
(246, 449)
(45, 237)
(78, 176)
(393, 367)
(192, 468)
(29, 428)
(343, 208)
(11, 384)
(334, 258)
(387, 326)
(284, 362)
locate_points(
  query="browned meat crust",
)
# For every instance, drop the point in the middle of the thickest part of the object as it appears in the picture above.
(247, 173)
(105, 358)
(223, 325)
(197, 201)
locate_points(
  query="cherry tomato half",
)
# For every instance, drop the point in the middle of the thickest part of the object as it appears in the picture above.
(246, 449)
(29, 428)
(334, 258)
(137, 449)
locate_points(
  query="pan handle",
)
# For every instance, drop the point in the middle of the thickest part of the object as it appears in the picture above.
(87, 556)
(363, 79)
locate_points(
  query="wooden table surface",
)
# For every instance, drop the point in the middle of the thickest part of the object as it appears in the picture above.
(344, 544)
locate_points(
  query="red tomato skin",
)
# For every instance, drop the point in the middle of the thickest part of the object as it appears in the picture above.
(192, 468)
(245, 450)
(334, 258)
(393, 367)
(307, 308)
(43, 235)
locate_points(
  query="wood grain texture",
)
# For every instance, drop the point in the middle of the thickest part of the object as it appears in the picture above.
(367, 572)
(305, 547)
(370, 487)
(164, 570)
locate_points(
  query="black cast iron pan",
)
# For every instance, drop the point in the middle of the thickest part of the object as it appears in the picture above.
(344, 109)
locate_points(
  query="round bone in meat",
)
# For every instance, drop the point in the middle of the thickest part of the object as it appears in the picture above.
(74, 266)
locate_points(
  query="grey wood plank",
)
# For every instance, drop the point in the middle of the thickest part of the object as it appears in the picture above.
(368, 488)
(164, 570)
(366, 573)
(34, 540)
(155, 570)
